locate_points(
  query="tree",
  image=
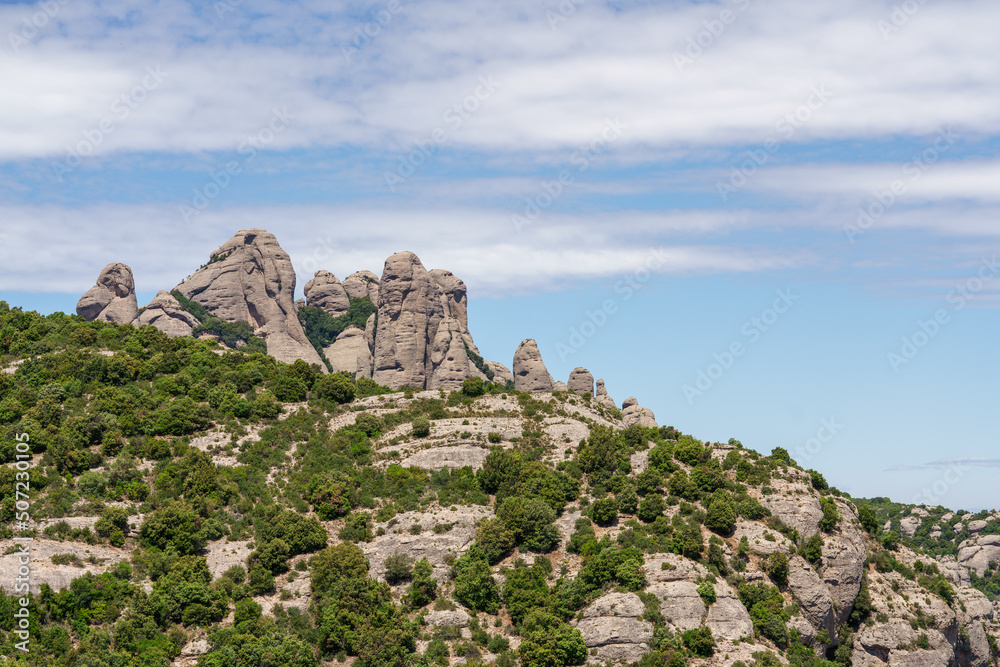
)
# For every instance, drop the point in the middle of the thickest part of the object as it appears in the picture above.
(628, 500)
(421, 427)
(830, 514)
(651, 507)
(398, 568)
(721, 516)
(337, 387)
(548, 642)
(475, 586)
(604, 512)
(369, 424)
(473, 386)
(336, 564)
(174, 525)
(423, 588)
(812, 549)
(777, 568)
(700, 641)
(869, 519)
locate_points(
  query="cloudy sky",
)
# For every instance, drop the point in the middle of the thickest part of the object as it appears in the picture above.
(769, 220)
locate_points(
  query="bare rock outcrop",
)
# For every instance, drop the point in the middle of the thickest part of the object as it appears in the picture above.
(325, 292)
(633, 413)
(727, 617)
(977, 553)
(612, 626)
(680, 605)
(362, 284)
(530, 373)
(559, 386)
(421, 338)
(581, 381)
(603, 398)
(351, 353)
(812, 594)
(251, 279)
(112, 299)
(844, 558)
(166, 314)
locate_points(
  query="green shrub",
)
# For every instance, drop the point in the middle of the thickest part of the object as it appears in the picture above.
(830, 514)
(473, 387)
(700, 641)
(421, 427)
(337, 387)
(604, 512)
(398, 568)
(357, 528)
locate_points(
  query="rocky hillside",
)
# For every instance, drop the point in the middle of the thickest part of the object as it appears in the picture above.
(196, 502)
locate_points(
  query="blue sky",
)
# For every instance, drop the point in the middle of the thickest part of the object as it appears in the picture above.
(639, 186)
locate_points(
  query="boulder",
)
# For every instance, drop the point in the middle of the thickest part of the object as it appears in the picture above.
(362, 284)
(437, 458)
(166, 314)
(325, 292)
(977, 526)
(458, 618)
(908, 525)
(112, 299)
(453, 296)
(633, 413)
(559, 386)
(501, 374)
(812, 594)
(612, 626)
(680, 604)
(251, 279)
(581, 381)
(977, 553)
(727, 617)
(530, 373)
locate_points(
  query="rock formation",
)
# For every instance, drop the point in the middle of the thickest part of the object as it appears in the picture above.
(581, 381)
(611, 625)
(530, 373)
(251, 279)
(166, 314)
(325, 292)
(112, 299)
(351, 353)
(603, 398)
(422, 336)
(633, 413)
(362, 284)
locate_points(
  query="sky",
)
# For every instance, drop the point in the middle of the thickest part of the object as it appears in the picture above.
(771, 221)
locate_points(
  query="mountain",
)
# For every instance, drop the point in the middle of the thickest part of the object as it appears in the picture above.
(193, 499)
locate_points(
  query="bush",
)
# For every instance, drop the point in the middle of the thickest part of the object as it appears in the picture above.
(651, 507)
(777, 568)
(369, 424)
(812, 549)
(398, 568)
(357, 528)
(473, 387)
(337, 387)
(721, 516)
(423, 588)
(475, 586)
(707, 592)
(700, 641)
(421, 427)
(604, 512)
(830, 514)
(494, 437)
(869, 519)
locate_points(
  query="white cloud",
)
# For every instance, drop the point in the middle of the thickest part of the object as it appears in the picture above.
(558, 86)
